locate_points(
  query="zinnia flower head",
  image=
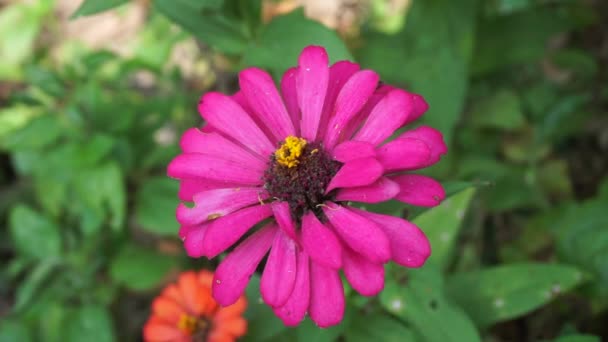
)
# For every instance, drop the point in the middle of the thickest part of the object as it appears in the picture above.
(291, 162)
(185, 311)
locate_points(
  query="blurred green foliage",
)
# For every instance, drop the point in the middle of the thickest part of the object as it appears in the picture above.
(520, 248)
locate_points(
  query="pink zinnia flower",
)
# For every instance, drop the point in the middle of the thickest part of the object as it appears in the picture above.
(293, 161)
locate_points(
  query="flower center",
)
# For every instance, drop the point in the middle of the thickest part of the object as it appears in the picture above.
(298, 174)
(196, 327)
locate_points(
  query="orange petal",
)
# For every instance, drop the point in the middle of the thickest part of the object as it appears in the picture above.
(234, 310)
(190, 290)
(234, 327)
(172, 292)
(219, 336)
(157, 330)
(167, 309)
(205, 277)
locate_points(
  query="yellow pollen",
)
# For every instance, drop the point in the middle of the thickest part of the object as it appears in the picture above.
(290, 151)
(187, 324)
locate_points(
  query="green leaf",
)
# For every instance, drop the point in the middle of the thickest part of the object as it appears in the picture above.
(504, 292)
(421, 302)
(523, 36)
(211, 27)
(430, 57)
(156, 202)
(89, 7)
(578, 338)
(138, 268)
(34, 235)
(262, 323)
(282, 40)
(501, 110)
(308, 331)
(442, 225)
(377, 327)
(20, 23)
(90, 323)
(41, 131)
(34, 282)
(12, 331)
(102, 191)
(13, 119)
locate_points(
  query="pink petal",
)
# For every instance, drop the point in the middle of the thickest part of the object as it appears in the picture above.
(211, 204)
(279, 275)
(201, 166)
(290, 97)
(419, 190)
(404, 154)
(293, 311)
(381, 190)
(282, 215)
(241, 100)
(366, 277)
(326, 296)
(350, 101)
(339, 73)
(388, 115)
(409, 246)
(420, 106)
(265, 101)
(432, 138)
(350, 150)
(190, 187)
(193, 239)
(356, 123)
(225, 231)
(232, 275)
(359, 233)
(311, 84)
(195, 141)
(228, 117)
(358, 172)
(320, 242)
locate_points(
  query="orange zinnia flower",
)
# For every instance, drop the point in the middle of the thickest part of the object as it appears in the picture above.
(185, 311)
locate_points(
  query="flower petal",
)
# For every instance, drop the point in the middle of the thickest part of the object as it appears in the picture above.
(311, 83)
(386, 117)
(373, 100)
(195, 141)
(290, 97)
(232, 275)
(201, 166)
(432, 138)
(264, 99)
(404, 154)
(228, 117)
(359, 233)
(193, 239)
(282, 215)
(358, 172)
(320, 243)
(350, 150)
(409, 246)
(279, 275)
(211, 204)
(381, 190)
(366, 277)
(293, 311)
(420, 106)
(326, 296)
(350, 101)
(190, 187)
(419, 190)
(225, 231)
(339, 73)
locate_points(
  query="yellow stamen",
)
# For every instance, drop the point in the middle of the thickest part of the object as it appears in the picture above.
(187, 324)
(290, 151)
